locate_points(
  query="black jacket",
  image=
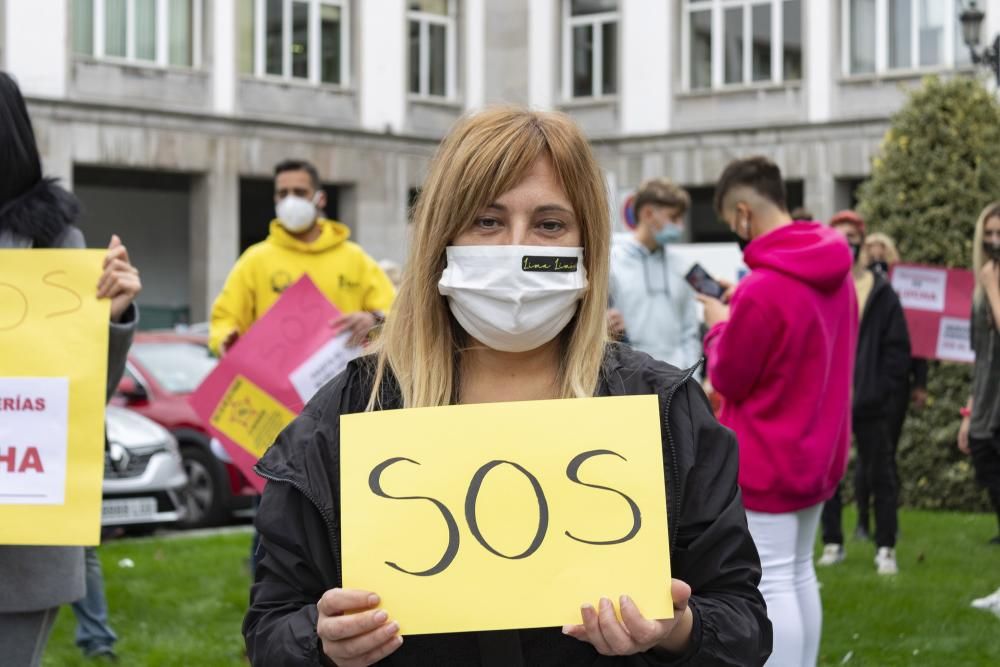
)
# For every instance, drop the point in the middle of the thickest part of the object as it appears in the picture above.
(711, 547)
(882, 365)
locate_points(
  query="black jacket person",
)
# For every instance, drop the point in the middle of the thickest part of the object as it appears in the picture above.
(881, 367)
(711, 548)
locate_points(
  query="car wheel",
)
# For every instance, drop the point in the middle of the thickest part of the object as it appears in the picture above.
(205, 494)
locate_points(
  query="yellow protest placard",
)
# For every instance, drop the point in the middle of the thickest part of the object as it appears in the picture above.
(505, 515)
(250, 417)
(53, 375)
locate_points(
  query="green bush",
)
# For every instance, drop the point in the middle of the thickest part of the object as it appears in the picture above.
(936, 169)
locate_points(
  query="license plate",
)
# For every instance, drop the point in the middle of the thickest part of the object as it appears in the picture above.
(128, 509)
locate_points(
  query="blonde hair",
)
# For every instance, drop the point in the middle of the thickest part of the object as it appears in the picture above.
(978, 256)
(891, 252)
(485, 155)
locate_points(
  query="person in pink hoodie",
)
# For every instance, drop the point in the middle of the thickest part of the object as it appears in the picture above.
(781, 354)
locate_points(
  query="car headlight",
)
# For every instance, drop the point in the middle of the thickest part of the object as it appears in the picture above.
(171, 445)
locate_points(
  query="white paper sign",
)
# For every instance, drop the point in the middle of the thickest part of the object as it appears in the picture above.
(953, 340)
(33, 440)
(920, 288)
(324, 365)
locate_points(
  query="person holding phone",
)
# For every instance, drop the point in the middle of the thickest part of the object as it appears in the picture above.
(653, 304)
(781, 354)
(473, 324)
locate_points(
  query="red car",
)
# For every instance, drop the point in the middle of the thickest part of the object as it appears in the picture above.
(163, 368)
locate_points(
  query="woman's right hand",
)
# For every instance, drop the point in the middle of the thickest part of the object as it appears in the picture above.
(354, 633)
(963, 435)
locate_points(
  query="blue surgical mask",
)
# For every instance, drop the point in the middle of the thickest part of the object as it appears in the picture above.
(669, 234)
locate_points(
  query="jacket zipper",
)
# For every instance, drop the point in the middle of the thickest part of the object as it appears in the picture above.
(327, 519)
(675, 476)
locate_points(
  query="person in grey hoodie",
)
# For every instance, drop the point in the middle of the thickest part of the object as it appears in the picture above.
(651, 303)
(36, 213)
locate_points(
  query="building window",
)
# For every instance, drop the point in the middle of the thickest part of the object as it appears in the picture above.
(899, 35)
(741, 42)
(154, 32)
(590, 48)
(303, 40)
(432, 59)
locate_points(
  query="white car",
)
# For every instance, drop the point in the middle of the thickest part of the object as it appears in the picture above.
(144, 477)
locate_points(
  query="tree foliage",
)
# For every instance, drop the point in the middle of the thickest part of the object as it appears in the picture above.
(937, 167)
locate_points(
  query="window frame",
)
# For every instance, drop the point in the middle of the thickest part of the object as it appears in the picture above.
(596, 22)
(162, 60)
(450, 24)
(882, 67)
(315, 62)
(718, 64)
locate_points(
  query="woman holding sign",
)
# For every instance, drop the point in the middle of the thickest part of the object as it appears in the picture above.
(36, 213)
(504, 300)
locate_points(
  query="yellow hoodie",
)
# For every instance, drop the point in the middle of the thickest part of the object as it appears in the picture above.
(349, 278)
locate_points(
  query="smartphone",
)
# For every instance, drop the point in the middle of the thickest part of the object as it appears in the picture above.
(703, 283)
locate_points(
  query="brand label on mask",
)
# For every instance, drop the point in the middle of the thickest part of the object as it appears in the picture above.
(549, 264)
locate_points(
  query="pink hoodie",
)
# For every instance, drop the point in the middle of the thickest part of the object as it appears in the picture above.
(783, 363)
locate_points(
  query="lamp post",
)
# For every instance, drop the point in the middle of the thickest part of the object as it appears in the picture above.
(972, 25)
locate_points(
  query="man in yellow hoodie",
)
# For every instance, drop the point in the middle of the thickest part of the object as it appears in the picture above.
(301, 242)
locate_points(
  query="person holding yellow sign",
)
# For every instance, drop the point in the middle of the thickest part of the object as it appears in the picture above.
(505, 301)
(37, 213)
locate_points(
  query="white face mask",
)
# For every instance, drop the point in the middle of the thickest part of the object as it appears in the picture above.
(513, 298)
(295, 213)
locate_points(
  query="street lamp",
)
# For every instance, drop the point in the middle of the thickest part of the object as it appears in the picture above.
(972, 26)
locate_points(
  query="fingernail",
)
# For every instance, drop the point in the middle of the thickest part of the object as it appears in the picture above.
(392, 628)
(373, 600)
(605, 603)
(565, 629)
(381, 617)
(624, 600)
(586, 607)
(399, 641)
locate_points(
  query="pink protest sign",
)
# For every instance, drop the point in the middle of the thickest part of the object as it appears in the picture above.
(268, 376)
(937, 303)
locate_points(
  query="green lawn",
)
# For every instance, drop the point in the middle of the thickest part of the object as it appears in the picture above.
(922, 615)
(183, 602)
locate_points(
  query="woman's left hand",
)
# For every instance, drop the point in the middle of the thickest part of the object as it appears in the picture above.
(119, 280)
(634, 633)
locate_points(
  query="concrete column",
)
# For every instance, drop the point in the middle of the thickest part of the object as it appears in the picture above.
(41, 68)
(223, 56)
(473, 14)
(382, 46)
(646, 33)
(543, 49)
(820, 191)
(507, 52)
(820, 70)
(215, 230)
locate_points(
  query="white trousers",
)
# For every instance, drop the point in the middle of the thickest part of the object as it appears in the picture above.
(789, 586)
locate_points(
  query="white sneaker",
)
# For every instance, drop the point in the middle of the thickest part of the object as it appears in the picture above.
(832, 554)
(990, 603)
(885, 561)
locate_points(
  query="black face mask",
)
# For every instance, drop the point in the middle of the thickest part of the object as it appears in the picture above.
(855, 250)
(880, 267)
(992, 251)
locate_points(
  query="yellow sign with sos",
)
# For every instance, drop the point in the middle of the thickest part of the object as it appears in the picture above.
(506, 515)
